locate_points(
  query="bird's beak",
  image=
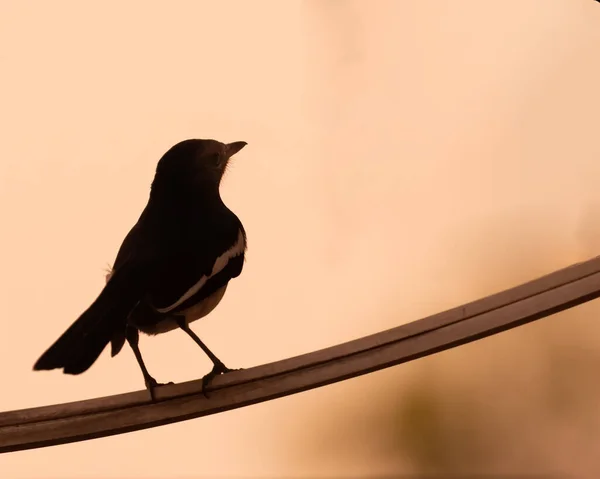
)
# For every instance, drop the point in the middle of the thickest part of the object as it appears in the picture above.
(232, 148)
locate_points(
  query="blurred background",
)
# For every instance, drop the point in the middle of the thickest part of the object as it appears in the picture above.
(403, 158)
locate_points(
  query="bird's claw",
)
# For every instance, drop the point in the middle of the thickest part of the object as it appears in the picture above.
(218, 368)
(152, 384)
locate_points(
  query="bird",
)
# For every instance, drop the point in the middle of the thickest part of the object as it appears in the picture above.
(172, 268)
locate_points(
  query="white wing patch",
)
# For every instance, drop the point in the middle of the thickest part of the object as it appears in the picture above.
(237, 249)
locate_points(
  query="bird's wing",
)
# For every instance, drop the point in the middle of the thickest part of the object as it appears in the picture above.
(131, 249)
(134, 239)
(199, 269)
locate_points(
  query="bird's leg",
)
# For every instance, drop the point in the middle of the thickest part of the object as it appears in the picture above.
(133, 338)
(218, 368)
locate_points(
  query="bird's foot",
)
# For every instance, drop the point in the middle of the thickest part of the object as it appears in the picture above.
(218, 368)
(152, 384)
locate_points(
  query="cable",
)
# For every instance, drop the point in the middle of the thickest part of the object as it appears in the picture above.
(100, 417)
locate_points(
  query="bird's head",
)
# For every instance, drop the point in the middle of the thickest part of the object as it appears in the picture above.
(196, 162)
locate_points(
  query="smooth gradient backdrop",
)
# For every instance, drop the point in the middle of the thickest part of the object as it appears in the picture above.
(393, 147)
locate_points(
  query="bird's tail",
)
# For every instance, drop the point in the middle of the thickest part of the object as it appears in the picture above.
(80, 345)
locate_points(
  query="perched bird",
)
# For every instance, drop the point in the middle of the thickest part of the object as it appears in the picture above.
(173, 267)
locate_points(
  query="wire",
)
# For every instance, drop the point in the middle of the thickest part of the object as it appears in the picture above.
(100, 417)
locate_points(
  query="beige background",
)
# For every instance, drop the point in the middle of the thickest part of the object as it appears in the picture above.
(401, 156)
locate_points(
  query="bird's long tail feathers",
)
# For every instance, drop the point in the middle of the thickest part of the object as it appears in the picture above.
(80, 345)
